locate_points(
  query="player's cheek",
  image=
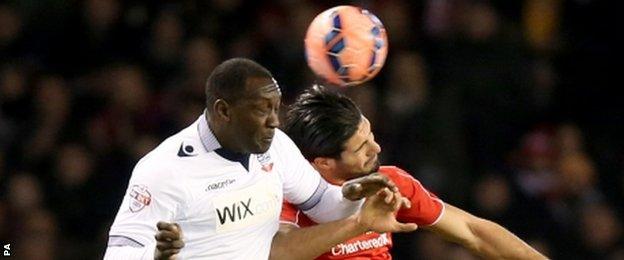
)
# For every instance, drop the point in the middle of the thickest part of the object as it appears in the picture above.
(365, 162)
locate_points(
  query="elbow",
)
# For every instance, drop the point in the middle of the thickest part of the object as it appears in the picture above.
(477, 228)
(479, 242)
(474, 246)
(492, 241)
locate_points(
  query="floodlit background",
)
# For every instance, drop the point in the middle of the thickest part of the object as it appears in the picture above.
(510, 109)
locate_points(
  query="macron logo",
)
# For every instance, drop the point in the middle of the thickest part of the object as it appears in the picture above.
(220, 185)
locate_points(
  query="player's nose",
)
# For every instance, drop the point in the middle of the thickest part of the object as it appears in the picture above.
(376, 147)
(273, 120)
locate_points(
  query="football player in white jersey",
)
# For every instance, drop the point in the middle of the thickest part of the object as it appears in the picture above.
(220, 182)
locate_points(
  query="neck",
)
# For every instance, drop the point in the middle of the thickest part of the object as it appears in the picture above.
(330, 177)
(223, 137)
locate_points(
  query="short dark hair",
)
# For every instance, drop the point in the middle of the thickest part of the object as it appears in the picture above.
(227, 81)
(321, 121)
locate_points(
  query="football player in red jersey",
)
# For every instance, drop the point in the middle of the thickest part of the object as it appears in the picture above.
(336, 138)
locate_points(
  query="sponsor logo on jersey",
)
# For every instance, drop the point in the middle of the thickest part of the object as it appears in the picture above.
(265, 161)
(361, 245)
(233, 213)
(139, 197)
(246, 207)
(220, 184)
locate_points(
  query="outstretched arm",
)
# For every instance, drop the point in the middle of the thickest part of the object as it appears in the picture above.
(483, 237)
(291, 242)
(377, 214)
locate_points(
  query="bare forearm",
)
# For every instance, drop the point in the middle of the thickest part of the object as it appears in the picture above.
(310, 242)
(482, 237)
(495, 242)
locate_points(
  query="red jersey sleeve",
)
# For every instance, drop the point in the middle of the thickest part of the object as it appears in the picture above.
(289, 213)
(292, 215)
(426, 207)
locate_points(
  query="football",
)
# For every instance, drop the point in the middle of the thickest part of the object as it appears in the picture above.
(346, 45)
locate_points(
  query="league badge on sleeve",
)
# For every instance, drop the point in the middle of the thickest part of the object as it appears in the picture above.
(139, 197)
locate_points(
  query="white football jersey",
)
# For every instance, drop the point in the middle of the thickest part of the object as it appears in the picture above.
(224, 210)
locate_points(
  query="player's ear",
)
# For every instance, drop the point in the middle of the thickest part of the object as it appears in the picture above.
(324, 163)
(221, 109)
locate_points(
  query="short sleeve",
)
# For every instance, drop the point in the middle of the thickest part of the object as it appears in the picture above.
(426, 208)
(304, 187)
(289, 214)
(150, 197)
(300, 179)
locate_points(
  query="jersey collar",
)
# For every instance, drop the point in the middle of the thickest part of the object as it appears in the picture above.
(208, 139)
(210, 143)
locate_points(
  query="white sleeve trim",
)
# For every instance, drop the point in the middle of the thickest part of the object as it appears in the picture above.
(435, 199)
(315, 198)
(333, 206)
(120, 240)
(296, 223)
(441, 212)
(289, 223)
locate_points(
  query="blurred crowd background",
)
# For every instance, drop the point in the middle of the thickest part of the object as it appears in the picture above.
(509, 109)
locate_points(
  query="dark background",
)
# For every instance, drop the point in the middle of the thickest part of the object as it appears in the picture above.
(509, 109)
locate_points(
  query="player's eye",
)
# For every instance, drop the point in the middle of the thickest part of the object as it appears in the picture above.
(261, 112)
(277, 109)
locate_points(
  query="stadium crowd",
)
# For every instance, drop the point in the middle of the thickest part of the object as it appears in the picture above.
(506, 108)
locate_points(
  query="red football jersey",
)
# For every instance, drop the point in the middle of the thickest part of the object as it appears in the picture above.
(426, 210)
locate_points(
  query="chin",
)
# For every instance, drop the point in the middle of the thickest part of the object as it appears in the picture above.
(261, 149)
(375, 167)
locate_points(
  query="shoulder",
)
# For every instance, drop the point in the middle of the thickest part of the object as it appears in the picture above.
(406, 183)
(151, 169)
(167, 155)
(155, 174)
(185, 143)
(282, 144)
(281, 139)
(395, 173)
